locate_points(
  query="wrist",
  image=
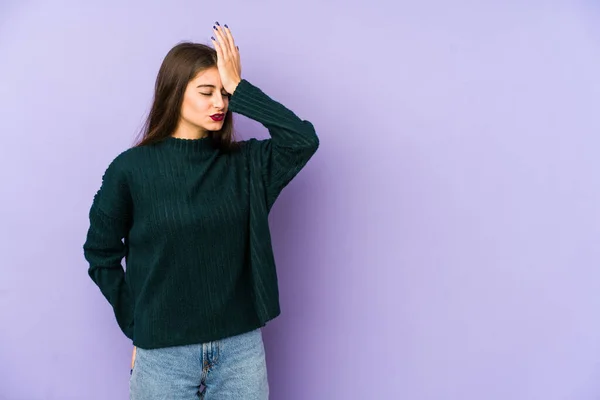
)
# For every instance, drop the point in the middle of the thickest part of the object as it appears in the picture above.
(232, 87)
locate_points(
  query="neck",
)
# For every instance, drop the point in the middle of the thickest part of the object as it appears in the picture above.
(187, 131)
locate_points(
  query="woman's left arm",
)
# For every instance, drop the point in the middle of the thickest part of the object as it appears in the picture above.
(293, 140)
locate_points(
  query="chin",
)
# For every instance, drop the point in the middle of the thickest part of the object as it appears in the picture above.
(212, 126)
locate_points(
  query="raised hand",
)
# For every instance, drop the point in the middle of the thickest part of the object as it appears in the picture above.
(228, 58)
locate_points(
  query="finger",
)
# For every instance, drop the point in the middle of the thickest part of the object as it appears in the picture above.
(222, 41)
(217, 48)
(230, 40)
(235, 50)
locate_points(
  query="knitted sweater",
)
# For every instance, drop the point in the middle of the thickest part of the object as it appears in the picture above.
(191, 222)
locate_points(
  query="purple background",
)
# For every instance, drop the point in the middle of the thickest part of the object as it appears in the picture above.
(442, 244)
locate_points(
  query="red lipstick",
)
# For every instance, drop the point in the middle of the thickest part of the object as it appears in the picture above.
(217, 117)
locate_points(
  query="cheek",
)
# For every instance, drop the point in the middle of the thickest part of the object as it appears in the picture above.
(195, 108)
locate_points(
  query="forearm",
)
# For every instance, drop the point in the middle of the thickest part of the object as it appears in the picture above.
(104, 251)
(286, 128)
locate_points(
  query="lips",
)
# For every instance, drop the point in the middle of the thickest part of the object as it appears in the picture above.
(217, 117)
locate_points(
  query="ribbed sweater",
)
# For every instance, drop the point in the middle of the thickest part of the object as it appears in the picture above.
(191, 222)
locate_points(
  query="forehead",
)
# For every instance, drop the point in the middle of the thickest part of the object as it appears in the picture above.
(208, 77)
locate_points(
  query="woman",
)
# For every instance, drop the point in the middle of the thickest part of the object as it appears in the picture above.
(187, 207)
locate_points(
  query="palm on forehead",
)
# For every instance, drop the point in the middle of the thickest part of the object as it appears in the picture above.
(228, 57)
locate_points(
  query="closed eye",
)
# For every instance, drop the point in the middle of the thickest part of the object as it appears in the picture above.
(210, 94)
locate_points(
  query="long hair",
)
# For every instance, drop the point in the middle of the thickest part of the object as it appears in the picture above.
(181, 64)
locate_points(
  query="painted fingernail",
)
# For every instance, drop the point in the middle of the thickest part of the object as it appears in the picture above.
(214, 27)
(226, 26)
(213, 38)
(217, 23)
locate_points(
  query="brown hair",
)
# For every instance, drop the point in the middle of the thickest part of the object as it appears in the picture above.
(181, 64)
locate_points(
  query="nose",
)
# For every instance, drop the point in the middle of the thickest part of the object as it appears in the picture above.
(218, 102)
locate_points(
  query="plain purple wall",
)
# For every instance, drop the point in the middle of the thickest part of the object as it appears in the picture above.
(442, 244)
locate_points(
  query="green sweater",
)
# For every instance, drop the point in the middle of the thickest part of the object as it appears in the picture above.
(191, 222)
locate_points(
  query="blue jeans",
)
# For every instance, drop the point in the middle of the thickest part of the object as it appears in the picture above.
(231, 368)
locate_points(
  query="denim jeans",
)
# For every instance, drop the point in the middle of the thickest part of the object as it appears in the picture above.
(231, 368)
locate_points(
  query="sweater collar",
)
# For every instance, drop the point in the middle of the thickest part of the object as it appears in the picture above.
(202, 145)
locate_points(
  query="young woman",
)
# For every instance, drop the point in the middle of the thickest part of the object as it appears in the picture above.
(187, 208)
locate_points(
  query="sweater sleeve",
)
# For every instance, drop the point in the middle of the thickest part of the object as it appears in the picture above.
(292, 144)
(104, 249)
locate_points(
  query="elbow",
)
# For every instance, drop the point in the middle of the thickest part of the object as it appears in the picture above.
(314, 146)
(312, 139)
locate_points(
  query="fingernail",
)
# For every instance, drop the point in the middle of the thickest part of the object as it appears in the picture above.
(213, 38)
(214, 27)
(226, 26)
(217, 23)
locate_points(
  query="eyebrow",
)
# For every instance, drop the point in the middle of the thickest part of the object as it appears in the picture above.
(211, 86)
